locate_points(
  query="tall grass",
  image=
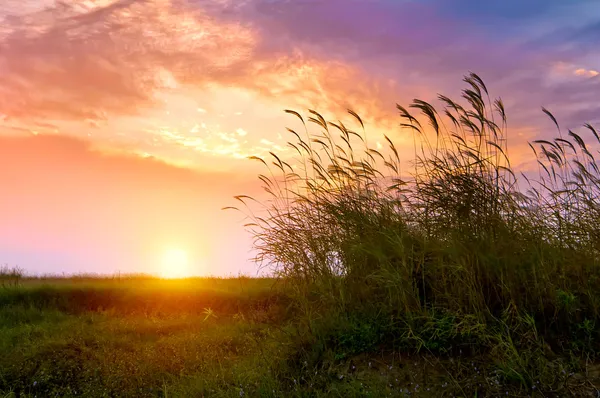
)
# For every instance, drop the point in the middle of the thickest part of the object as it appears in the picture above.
(10, 276)
(462, 238)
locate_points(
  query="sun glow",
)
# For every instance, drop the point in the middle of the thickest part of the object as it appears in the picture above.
(175, 264)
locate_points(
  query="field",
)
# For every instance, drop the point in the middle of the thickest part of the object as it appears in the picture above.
(134, 336)
(139, 336)
(465, 278)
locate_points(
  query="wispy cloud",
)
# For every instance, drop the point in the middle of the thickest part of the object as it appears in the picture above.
(110, 57)
(96, 61)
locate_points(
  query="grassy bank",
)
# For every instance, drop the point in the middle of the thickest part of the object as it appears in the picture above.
(458, 277)
(199, 337)
(236, 337)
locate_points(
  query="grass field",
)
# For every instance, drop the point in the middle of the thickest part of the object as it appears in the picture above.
(211, 337)
(195, 337)
(133, 336)
(463, 279)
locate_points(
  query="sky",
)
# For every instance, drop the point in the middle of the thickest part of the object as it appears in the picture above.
(125, 125)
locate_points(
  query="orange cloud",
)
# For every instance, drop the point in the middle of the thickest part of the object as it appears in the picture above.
(587, 72)
(114, 70)
(566, 69)
(110, 57)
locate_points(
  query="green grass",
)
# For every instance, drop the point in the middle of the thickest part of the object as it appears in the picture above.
(197, 337)
(231, 337)
(455, 277)
(134, 337)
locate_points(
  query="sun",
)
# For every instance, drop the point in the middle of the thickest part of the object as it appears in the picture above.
(175, 264)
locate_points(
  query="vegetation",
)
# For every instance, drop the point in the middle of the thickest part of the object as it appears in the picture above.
(460, 278)
(10, 276)
(138, 336)
(464, 256)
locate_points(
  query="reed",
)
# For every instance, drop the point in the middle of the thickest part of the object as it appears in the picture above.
(459, 253)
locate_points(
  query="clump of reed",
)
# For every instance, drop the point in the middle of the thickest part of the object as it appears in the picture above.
(462, 235)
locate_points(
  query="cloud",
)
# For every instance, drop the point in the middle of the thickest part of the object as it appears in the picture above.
(586, 72)
(427, 46)
(116, 58)
(65, 62)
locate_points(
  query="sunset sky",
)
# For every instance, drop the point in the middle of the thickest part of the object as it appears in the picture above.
(125, 124)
